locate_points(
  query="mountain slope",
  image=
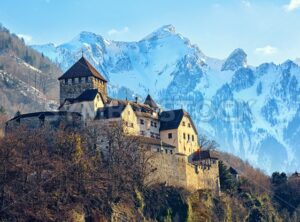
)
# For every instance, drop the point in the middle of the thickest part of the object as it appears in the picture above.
(28, 80)
(252, 112)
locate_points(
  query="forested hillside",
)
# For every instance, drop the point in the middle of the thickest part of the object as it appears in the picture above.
(28, 80)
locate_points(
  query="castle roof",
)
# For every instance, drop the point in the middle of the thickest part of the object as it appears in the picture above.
(87, 95)
(171, 119)
(149, 101)
(44, 114)
(204, 154)
(156, 142)
(109, 112)
(82, 68)
(233, 171)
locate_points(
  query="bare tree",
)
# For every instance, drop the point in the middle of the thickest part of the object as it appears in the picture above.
(206, 143)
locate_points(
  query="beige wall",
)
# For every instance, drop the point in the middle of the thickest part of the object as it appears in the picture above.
(183, 145)
(189, 144)
(88, 109)
(130, 121)
(173, 141)
(175, 170)
(146, 129)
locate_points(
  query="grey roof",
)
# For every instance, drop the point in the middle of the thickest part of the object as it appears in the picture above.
(82, 68)
(87, 95)
(152, 141)
(109, 112)
(171, 119)
(204, 154)
(233, 171)
(44, 114)
(149, 101)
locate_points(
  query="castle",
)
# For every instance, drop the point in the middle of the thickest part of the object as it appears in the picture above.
(171, 134)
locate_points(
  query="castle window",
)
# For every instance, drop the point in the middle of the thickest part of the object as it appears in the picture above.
(188, 137)
(142, 122)
(155, 124)
(183, 123)
(152, 123)
(193, 138)
(184, 136)
(170, 135)
(189, 125)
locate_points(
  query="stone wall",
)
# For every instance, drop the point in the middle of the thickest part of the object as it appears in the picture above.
(74, 88)
(175, 170)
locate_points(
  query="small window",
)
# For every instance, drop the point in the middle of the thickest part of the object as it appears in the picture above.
(166, 151)
(193, 138)
(189, 125)
(73, 81)
(170, 135)
(184, 136)
(66, 81)
(79, 80)
(142, 122)
(131, 124)
(86, 79)
(155, 124)
(188, 137)
(171, 151)
(183, 123)
(152, 124)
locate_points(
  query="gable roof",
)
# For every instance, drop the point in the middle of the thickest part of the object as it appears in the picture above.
(149, 101)
(171, 119)
(204, 154)
(109, 112)
(153, 141)
(82, 68)
(44, 114)
(87, 95)
(233, 171)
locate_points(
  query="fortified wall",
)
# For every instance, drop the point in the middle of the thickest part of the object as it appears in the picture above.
(175, 170)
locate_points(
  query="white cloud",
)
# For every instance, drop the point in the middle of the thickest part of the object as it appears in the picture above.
(27, 38)
(246, 3)
(118, 31)
(293, 5)
(267, 50)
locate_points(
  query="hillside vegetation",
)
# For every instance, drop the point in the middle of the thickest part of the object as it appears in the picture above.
(57, 175)
(28, 80)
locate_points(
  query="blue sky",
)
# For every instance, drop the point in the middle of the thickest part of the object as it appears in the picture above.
(268, 30)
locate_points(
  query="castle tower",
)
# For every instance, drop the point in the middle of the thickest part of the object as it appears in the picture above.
(80, 77)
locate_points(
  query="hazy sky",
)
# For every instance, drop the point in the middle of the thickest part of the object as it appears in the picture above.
(268, 30)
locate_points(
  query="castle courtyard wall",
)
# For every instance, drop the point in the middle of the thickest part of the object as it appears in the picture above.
(175, 170)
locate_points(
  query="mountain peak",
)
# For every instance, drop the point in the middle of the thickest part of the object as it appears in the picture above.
(88, 37)
(162, 32)
(236, 60)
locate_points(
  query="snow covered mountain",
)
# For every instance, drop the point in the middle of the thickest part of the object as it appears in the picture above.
(252, 112)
